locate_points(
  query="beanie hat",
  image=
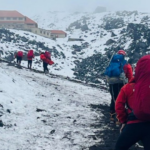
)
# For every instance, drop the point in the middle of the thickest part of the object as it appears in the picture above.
(122, 52)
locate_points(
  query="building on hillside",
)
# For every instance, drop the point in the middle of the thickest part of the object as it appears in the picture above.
(58, 34)
(53, 34)
(41, 32)
(15, 20)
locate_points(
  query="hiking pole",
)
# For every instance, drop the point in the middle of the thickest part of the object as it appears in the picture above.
(111, 58)
(109, 62)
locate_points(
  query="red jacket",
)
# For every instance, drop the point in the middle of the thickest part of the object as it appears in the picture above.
(128, 72)
(30, 55)
(142, 89)
(46, 60)
(125, 98)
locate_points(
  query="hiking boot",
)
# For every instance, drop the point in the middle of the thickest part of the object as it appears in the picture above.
(46, 71)
(112, 117)
(139, 144)
(118, 124)
(112, 120)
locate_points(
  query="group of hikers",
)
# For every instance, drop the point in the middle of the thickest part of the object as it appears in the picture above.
(44, 56)
(130, 96)
(130, 101)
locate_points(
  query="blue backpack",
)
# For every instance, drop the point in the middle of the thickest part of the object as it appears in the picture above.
(116, 65)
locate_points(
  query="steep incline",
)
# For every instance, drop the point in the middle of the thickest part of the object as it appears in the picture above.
(42, 112)
(39, 112)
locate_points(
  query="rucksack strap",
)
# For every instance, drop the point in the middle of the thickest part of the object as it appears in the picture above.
(129, 107)
(131, 117)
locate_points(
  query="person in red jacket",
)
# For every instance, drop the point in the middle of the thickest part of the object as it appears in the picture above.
(133, 129)
(30, 56)
(114, 87)
(46, 58)
(19, 56)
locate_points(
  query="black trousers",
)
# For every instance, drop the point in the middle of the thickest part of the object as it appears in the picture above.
(19, 59)
(29, 64)
(133, 133)
(114, 91)
(45, 66)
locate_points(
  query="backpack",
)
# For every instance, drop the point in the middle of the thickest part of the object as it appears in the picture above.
(20, 54)
(30, 54)
(47, 54)
(141, 103)
(115, 68)
(51, 62)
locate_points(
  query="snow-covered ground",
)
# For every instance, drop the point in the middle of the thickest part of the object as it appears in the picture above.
(65, 117)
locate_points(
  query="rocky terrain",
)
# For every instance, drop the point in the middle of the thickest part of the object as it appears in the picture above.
(102, 34)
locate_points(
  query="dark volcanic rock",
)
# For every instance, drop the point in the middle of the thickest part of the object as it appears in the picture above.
(113, 23)
(91, 68)
(113, 34)
(110, 41)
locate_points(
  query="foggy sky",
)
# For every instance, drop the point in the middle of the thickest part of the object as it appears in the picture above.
(31, 7)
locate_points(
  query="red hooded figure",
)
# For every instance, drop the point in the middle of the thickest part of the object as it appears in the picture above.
(133, 108)
(46, 58)
(30, 56)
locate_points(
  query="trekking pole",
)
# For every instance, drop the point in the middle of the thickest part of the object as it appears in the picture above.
(111, 58)
(102, 74)
(107, 65)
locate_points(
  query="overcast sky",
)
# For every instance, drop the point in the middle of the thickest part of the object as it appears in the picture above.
(31, 7)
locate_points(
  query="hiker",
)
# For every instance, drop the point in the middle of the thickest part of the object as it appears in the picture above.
(30, 56)
(117, 73)
(19, 56)
(133, 108)
(46, 58)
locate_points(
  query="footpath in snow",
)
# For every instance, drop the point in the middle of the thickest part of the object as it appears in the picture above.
(45, 113)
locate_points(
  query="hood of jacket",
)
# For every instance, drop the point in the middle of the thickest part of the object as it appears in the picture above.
(142, 70)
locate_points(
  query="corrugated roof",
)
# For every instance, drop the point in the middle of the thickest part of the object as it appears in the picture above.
(10, 13)
(13, 13)
(28, 20)
(57, 32)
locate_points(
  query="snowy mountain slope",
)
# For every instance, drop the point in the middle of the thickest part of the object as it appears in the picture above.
(8, 48)
(57, 20)
(40, 112)
(99, 27)
(102, 34)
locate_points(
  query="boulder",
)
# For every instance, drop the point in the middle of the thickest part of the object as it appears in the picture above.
(110, 41)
